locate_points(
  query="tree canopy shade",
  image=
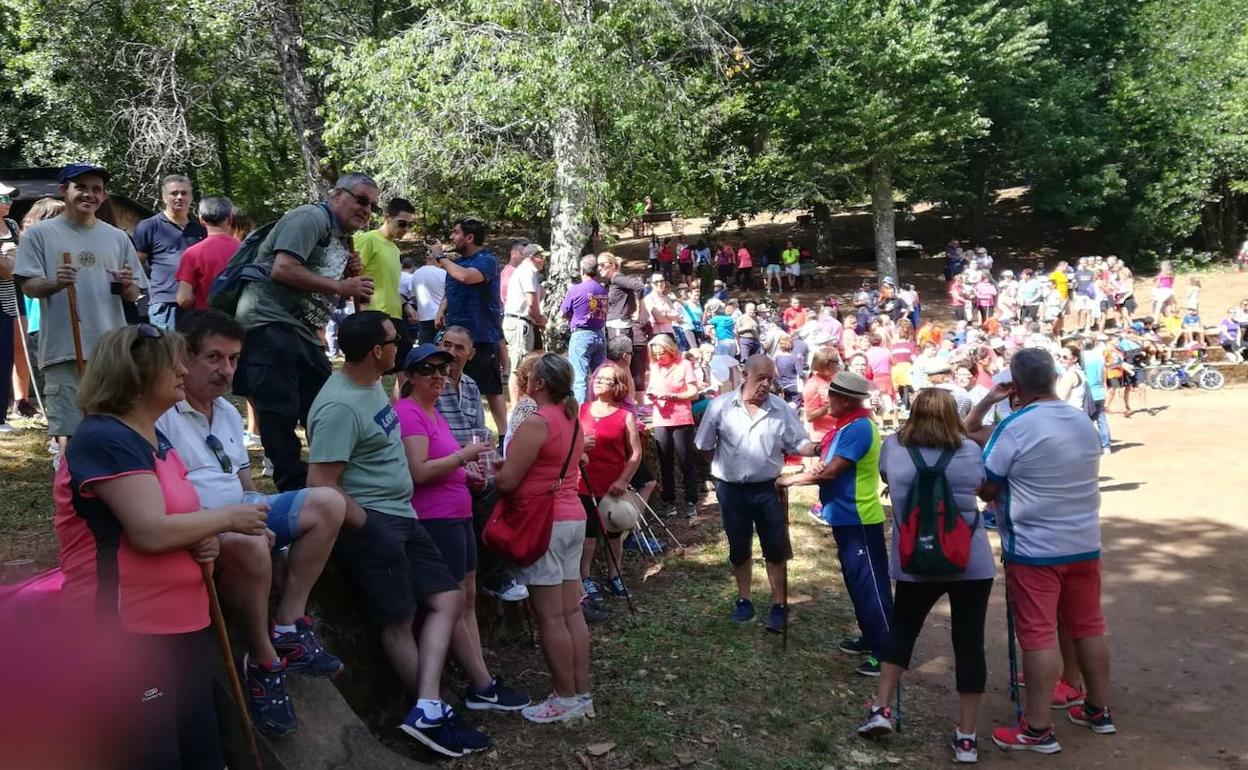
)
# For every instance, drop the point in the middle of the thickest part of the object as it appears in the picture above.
(1123, 114)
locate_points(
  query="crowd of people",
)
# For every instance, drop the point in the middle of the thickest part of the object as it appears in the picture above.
(1009, 405)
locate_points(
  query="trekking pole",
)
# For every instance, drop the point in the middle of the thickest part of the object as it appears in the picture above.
(648, 532)
(74, 321)
(897, 710)
(662, 523)
(602, 527)
(223, 639)
(784, 629)
(1009, 638)
(30, 367)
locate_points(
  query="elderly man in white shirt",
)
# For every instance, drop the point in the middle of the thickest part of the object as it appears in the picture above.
(207, 432)
(522, 312)
(749, 431)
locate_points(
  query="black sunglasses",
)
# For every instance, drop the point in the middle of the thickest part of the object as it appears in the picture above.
(215, 445)
(426, 368)
(363, 200)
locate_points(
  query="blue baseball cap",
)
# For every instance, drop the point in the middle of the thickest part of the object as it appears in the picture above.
(425, 352)
(75, 170)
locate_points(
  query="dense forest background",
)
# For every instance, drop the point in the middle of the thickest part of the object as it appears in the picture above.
(1123, 115)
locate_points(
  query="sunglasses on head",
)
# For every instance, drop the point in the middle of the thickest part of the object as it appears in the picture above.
(427, 368)
(146, 332)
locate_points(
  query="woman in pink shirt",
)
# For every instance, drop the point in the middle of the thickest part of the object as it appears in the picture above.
(745, 267)
(532, 468)
(985, 297)
(672, 388)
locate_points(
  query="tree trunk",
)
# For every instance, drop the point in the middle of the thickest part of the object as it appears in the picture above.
(884, 218)
(303, 97)
(574, 149)
(824, 244)
(223, 146)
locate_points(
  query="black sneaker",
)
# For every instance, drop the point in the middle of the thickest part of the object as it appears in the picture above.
(303, 651)
(743, 612)
(445, 735)
(774, 621)
(272, 710)
(854, 646)
(869, 667)
(499, 697)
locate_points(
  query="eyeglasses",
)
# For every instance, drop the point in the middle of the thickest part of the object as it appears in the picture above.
(425, 368)
(391, 341)
(218, 450)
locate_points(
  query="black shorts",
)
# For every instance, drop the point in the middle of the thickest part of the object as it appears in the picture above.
(394, 564)
(1114, 382)
(593, 523)
(686, 269)
(457, 541)
(484, 370)
(172, 702)
(747, 508)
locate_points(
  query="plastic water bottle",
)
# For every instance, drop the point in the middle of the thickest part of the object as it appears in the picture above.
(254, 498)
(485, 461)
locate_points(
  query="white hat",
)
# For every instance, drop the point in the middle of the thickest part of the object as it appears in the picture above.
(7, 189)
(619, 514)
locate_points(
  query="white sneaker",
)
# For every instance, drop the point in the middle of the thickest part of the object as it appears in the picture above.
(251, 440)
(1106, 451)
(267, 470)
(587, 701)
(555, 709)
(965, 749)
(511, 591)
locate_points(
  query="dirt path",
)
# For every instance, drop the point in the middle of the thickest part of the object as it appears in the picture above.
(1175, 535)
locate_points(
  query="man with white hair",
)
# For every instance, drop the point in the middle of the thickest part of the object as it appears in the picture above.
(1043, 462)
(522, 312)
(308, 253)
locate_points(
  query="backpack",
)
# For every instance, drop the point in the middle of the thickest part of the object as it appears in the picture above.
(227, 287)
(1089, 403)
(933, 538)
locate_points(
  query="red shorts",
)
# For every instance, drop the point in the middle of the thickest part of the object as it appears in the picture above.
(1042, 597)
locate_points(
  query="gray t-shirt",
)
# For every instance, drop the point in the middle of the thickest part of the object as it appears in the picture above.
(311, 235)
(95, 250)
(964, 473)
(356, 425)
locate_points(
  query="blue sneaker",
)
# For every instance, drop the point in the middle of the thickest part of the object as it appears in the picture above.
(990, 519)
(743, 612)
(303, 651)
(617, 588)
(272, 710)
(498, 697)
(445, 735)
(776, 617)
(646, 546)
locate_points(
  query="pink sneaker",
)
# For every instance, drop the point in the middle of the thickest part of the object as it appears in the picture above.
(1023, 738)
(555, 709)
(1066, 695)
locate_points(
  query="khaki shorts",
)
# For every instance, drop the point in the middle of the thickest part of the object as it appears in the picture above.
(562, 561)
(521, 340)
(60, 398)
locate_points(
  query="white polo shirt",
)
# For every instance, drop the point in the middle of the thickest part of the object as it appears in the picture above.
(524, 280)
(188, 431)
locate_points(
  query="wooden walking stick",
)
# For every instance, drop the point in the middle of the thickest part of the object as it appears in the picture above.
(79, 360)
(227, 656)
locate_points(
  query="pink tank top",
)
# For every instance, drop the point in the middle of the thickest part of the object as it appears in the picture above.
(545, 469)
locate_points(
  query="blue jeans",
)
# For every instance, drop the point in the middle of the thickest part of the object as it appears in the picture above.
(163, 315)
(1102, 423)
(586, 350)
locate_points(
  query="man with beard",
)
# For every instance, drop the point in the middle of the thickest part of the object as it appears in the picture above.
(308, 253)
(104, 270)
(161, 240)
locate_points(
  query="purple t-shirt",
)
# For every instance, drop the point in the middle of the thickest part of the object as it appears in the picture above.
(586, 305)
(447, 497)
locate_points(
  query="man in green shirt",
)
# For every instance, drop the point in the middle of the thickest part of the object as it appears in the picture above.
(355, 448)
(308, 254)
(380, 260)
(791, 258)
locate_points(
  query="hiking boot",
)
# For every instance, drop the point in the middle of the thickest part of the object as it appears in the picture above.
(446, 734)
(555, 709)
(511, 591)
(617, 588)
(774, 622)
(303, 651)
(965, 750)
(743, 612)
(272, 710)
(497, 697)
(1024, 738)
(869, 667)
(593, 614)
(854, 646)
(879, 722)
(1098, 720)
(1066, 695)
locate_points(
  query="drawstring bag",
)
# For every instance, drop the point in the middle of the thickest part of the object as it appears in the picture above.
(934, 539)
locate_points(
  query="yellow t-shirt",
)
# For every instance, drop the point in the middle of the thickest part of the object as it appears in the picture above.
(1060, 283)
(381, 263)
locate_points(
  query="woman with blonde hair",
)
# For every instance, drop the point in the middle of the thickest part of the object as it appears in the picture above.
(541, 446)
(935, 434)
(133, 537)
(673, 385)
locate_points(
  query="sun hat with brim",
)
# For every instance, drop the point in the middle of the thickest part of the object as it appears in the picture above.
(943, 367)
(849, 385)
(534, 250)
(426, 352)
(75, 170)
(8, 189)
